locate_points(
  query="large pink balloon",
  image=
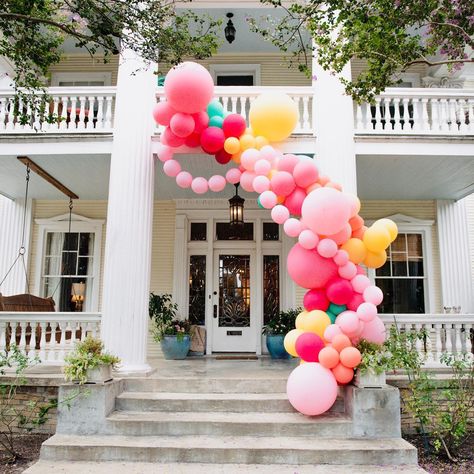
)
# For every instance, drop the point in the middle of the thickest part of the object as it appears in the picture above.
(326, 211)
(374, 331)
(189, 87)
(308, 269)
(311, 389)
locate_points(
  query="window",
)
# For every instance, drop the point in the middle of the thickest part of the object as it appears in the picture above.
(227, 231)
(271, 231)
(271, 287)
(235, 74)
(197, 289)
(402, 278)
(198, 231)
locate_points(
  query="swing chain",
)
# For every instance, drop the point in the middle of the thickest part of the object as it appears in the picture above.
(22, 249)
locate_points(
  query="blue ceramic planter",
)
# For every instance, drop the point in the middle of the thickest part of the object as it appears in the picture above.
(275, 346)
(174, 349)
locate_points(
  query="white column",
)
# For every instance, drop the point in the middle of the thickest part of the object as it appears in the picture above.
(333, 121)
(456, 280)
(11, 235)
(129, 217)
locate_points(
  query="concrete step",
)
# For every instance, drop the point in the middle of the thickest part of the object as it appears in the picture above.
(229, 449)
(75, 467)
(333, 425)
(209, 402)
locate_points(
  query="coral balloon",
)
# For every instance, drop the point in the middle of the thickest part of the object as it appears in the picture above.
(356, 222)
(341, 341)
(212, 140)
(339, 291)
(331, 332)
(328, 357)
(280, 214)
(311, 389)
(295, 200)
(234, 125)
(162, 113)
(350, 357)
(343, 374)
(182, 125)
(290, 341)
(305, 173)
(315, 321)
(217, 183)
(356, 249)
(308, 239)
(315, 299)
(273, 115)
(376, 238)
(308, 346)
(373, 294)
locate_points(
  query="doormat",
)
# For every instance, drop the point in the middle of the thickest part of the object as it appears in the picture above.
(236, 357)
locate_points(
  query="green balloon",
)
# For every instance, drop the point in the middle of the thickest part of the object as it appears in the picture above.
(337, 308)
(259, 203)
(215, 108)
(332, 317)
(216, 121)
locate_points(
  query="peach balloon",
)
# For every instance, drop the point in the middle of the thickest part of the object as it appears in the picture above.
(350, 357)
(375, 259)
(341, 341)
(343, 374)
(232, 145)
(329, 357)
(356, 249)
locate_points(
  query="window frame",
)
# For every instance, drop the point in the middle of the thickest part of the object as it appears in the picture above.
(236, 70)
(57, 77)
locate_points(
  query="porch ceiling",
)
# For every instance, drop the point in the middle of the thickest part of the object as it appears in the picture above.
(415, 177)
(85, 175)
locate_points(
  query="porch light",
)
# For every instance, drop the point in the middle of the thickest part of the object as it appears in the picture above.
(236, 208)
(78, 291)
(229, 30)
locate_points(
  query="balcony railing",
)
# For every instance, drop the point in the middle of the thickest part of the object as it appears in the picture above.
(403, 111)
(69, 109)
(238, 99)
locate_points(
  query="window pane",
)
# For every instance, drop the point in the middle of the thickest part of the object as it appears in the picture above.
(54, 243)
(198, 231)
(385, 270)
(399, 268)
(271, 231)
(226, 231)
(399, 244)
(271, 287)
(197, 289)
(403, 295)
(52, 266)
(86, 244)
(415, 267)
(60, 289)
(84, 266)
(69, 263)
(71, 241)
(414, 244)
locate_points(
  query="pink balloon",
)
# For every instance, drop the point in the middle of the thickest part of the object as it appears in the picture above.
(222, 157)
(288, 163)
(331, 332)
(212, 140)
(170, 139)
(165, 153)
(234, 125)
(201, 121)
(308, 269)
(341, 258)
(249, 158)
(325, 211)
(233, 175)
(374, 331)
(305, 173)
(184, 179)
(292, 227)
(217, 183)
(367, 312)
(308, 346)
(348, 322)
(308, 239)
(162, 113)
(262, 167)
(315, 299)
(261, 184)
(199, 185)
(373, 294)
(311, 389)
(348, 271)
(295, 200)
(268, 199)
(360, 283)
(268, 152)
(182, 125)
(280, 214)
(193, 140)
(282, 183)
(342, 236)
(189, 87)
(356, 300)
(246, 181)
(171, 168)
(327, 248)
(339, 291)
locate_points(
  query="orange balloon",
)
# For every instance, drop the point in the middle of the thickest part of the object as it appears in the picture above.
(280, 199)
(356, 249)
(232, 145)
(236, 158)
(359, 233)
(375, 260)
(350, 357)
(328, 357)
(356, 222)
(340, 342)
(247, 141)
(343, 374)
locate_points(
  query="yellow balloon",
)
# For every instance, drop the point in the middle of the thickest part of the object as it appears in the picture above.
(260, 142)
(290, 341)
(232, 145)
(315, 321)
(247, 141)
(356, 249)
(390, 226)
(375, 259)
(273, 115)
(376, 238)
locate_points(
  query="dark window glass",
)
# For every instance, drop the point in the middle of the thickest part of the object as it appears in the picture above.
(402, 295)
(271, 231)
(271, 287)
(227, 231)
(198, 231)
(197, 289)
(71, 241)
(237, 80)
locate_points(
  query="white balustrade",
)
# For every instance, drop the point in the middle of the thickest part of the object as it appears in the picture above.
(237, 99)
(420, 111)
(66, 110)
(445, 333)
(49, 336)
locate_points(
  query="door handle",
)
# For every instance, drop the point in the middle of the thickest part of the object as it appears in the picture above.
(215, 311)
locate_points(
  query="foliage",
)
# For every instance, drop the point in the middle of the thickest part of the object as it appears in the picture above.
(389, 35)
(374, 358)
(176, 328)
(87, 355)
(163, 312)
(281, 323)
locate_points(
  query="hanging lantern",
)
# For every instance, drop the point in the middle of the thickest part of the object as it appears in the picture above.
(229, 30)
(236, 208)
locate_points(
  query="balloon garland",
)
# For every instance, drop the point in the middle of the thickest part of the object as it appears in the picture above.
(333, 241)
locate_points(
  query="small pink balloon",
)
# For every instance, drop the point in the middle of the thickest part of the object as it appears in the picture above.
(327, 248)
(373, 294)
(268, 152)
(184, 179)
(342, 236)
(246, 181)
(288, 163)
(199, 185)
(217, 183)
(331, 332)
(292, 227)
(280, 214)
(170, 139)
(171, 168)
(305, 173)
(367, 312)
(315, 299)
(165, 153)
(360, 283)
(282, 183)
(268, 199)
(308, 239)
(261, 184)
(162, 113)
(339, 291)
(295, 200)
(262, 167)
(356, 300)
(374, 331)
(348, 321)
(233, 175)
(181, 124)
(248, 158)
(348, 271)
(341, 258)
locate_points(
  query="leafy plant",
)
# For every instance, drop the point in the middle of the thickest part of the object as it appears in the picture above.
(281, 323)
(87, 355)
(176, 328)
(374, 358)
(163, 312)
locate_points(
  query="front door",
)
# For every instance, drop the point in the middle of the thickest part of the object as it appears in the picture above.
(233, 319)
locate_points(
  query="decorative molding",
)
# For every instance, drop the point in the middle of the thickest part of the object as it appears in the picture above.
(65, 218)
(444, 82)
(211, 204)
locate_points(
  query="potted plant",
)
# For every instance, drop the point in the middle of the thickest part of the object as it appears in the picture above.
(371, 370)
(276, 330)
(88, 363)
(172, 333)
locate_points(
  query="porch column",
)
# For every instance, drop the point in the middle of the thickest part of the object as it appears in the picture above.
(333, 121)
(456, 280)
(11, 226)
(129, 217)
